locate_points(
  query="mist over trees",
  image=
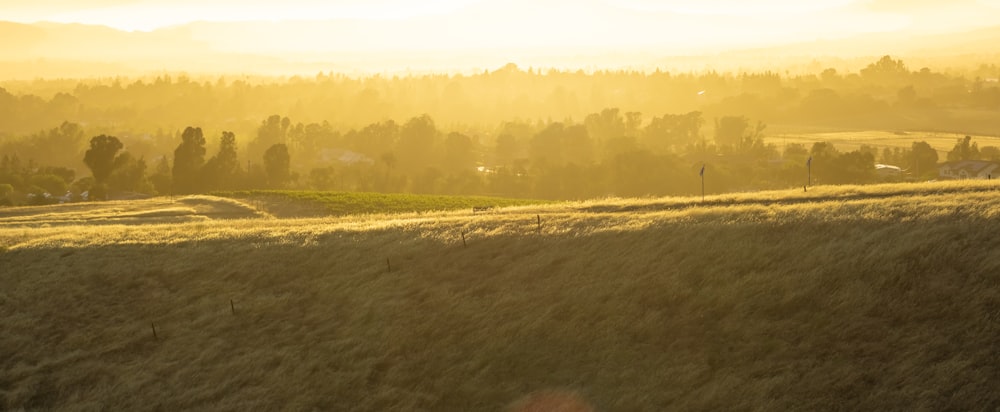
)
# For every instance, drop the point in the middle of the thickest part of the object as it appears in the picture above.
(508, 132)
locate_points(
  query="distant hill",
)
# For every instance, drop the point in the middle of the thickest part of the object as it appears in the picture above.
(981, 41)
(67, 50)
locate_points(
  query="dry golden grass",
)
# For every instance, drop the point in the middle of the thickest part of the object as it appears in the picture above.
(846, 298)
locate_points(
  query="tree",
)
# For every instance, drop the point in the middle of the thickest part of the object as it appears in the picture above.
(5, 191)
(458, 153)
(59, 146)
(100, 158)
(222, 169)
(885, 69)
(272, 131)
(506, 149)
(672, 130)
(924, 158)
(161, 178)
(729, 130)
(633, 121)
(832, 167)
(277, 164)
(322, 178)
(546, 146)
(66, 174)
(823, 158)
(608, 124)
(965, 149)
(188, 160)
(416, 143)
(52, 184)
(130, 175)
(991, 153)
(855, 167)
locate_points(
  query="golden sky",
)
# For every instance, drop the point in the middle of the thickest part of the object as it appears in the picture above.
(460, 24)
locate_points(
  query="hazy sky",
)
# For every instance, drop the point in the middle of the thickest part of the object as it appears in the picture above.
(522, 23)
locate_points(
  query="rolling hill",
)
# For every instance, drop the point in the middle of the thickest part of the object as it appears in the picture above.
(840, 298)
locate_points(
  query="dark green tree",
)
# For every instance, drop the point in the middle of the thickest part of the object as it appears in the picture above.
(923, 161)
(130, 175)
(277, 164)
(161, 178)
(189, 157)
(965, 149)
(52, 184)
(222, 170)
(100, 158)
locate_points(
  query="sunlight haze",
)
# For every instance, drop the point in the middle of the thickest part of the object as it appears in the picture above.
(683, 25)
(465, 36)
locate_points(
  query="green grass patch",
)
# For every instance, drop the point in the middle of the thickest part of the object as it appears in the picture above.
(354, 203)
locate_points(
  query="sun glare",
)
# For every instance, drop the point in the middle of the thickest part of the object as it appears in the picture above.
(592, 26)
(147, 16)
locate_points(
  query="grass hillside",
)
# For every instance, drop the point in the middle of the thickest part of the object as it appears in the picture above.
(847, 298)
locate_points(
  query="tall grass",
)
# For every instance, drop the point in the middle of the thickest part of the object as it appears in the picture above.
(860, 299)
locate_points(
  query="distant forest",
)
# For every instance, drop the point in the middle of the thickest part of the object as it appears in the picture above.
(509, 132)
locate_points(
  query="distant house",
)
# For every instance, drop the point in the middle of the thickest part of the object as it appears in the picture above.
(888, 172)
(968, 169)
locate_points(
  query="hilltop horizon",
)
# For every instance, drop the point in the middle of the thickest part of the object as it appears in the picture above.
(121, 37)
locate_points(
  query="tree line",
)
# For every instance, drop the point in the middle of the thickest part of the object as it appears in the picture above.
(511, 132)
(609, 153)
(886, 94)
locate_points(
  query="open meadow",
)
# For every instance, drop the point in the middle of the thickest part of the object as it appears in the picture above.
(943, 142)
(840, 298)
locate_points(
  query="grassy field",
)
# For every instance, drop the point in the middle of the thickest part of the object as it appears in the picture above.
(315, 203)
(841, 298)
(129, 212)
(853, 140)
